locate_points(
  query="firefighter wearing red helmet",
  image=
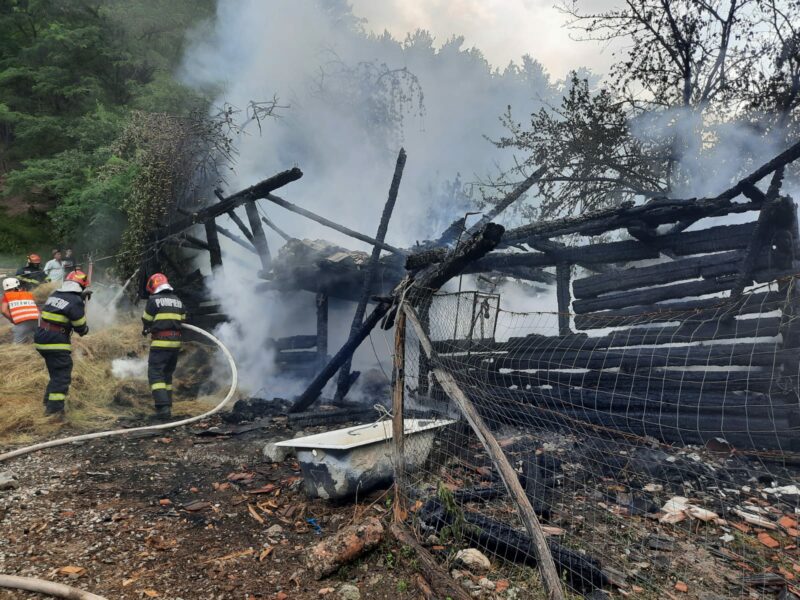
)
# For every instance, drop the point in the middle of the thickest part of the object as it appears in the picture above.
(162, 319)
(31, 274)
(62, 313)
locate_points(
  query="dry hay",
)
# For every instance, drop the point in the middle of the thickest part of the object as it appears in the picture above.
(96, 399)
(42, 291)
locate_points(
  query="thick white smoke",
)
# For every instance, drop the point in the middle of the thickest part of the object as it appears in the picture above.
(343, 128)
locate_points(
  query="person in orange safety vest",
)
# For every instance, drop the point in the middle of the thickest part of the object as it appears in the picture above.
(19, 307)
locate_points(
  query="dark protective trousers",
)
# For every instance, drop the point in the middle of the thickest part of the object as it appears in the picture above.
(59, 366)
(160, 367)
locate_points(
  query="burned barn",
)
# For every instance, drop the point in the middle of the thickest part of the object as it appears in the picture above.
(670, 319)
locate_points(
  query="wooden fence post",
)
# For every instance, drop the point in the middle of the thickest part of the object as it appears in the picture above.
(398, 422)
(547, 567)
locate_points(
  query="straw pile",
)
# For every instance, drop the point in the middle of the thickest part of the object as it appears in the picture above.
(42, 291)
(96, 399)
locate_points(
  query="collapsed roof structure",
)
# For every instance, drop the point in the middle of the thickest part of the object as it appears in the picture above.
(644, 311)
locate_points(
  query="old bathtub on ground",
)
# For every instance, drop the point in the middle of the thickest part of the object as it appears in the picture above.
(341, 464)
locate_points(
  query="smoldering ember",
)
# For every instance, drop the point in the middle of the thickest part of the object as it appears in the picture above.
(288, 348)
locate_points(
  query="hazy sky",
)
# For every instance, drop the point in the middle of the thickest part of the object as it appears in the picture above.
(503, 30)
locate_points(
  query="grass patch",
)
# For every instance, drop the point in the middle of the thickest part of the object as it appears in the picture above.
(91, 402)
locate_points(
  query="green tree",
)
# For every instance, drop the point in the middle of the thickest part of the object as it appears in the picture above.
(71, 74)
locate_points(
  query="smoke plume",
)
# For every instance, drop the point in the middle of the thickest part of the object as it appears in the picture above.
(352, 100)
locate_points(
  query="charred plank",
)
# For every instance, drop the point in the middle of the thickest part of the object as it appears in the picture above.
(743, 354)
(255, 192)
(703, 308)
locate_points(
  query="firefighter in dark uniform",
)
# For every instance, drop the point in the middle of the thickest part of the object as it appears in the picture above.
(31, 274)
(63, 313)
(162, 319)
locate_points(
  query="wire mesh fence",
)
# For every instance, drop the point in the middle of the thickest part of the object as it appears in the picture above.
(658, 449)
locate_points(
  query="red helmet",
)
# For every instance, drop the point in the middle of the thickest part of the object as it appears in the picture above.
(79, 277)
(156, 280)
(34, 259)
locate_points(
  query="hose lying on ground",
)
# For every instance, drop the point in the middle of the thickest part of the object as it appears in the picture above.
(102, 434)
(58, 590)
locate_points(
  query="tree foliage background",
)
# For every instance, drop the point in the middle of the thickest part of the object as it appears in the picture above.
(87, 99)
(701, 92)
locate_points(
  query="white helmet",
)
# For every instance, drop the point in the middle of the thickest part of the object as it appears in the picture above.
(11, 283)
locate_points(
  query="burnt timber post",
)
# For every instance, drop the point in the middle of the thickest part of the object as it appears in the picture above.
(428, 283)
(371, 274)
(564, 297)
(398, 422)
(322, 327)
(259, 238)
(424, 368)
(235, 218)
(212, 240)
(508, 475)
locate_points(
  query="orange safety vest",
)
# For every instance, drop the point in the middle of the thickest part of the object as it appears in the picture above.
(22, 307)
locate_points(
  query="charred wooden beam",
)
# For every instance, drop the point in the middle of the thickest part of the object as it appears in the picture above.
(335, 226)
(655, 212)
(228, 234)
(235, 218)
(528, 274)
(332, 417)
(714, 239)
(754, 194)
(255, 192)
(276, 229)
(424, 363)
(310, 395)
(212, 240)
(654, 294)
(784, 158)
(758, 411)
(671, 292)
(508, 200)
(194, 242)
(741, 354)
(427, 283)
(371, 273)
(557, 247)
(711, 329)
(564, 297)
(745, 432)
(774, 213)
(235, 239)
(259, 239)
(695, 382)
(710, 265)
(322, 326)
(429, 280)
(703, 308)
(425, 258)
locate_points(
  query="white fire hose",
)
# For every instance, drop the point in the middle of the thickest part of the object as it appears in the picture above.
(64, 591)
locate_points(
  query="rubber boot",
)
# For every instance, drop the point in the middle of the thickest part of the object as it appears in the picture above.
(55, 409)
(162, 403)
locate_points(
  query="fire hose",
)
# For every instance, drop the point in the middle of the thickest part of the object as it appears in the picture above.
(63, 591)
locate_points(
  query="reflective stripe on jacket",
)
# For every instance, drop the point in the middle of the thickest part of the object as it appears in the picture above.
(67, 312)
(163, 316)
(21, 306)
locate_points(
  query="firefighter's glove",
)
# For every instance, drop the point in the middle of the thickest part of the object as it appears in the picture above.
(86, 295)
